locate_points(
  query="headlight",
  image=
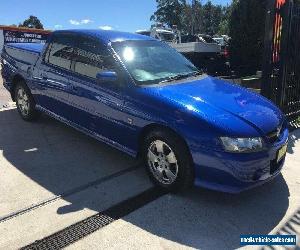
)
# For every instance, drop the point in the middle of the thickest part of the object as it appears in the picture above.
(242, 144)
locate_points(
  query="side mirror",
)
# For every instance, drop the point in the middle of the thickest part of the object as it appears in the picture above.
(107, 76)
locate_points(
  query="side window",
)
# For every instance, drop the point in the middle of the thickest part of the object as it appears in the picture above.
(61, 50)
(90, 58)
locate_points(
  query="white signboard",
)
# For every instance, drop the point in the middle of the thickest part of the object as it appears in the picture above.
(21, 36)
(1, 40)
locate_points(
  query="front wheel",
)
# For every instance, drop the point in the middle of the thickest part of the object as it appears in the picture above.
(168, 161)
(25, 102)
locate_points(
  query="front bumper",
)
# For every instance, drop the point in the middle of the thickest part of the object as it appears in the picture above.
(234, 173)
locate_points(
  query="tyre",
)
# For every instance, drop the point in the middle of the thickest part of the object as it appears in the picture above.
(25, 102)
(168, 160)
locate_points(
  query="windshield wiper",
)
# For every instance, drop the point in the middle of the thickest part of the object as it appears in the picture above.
(196, 73)
(182, 76)
(174, 78)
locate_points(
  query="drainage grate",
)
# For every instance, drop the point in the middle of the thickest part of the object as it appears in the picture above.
(83, 228)
(67, 193)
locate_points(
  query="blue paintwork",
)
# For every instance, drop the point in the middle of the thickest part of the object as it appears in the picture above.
(199, 109)
(32, 47)
(107, 36)
(107, 76)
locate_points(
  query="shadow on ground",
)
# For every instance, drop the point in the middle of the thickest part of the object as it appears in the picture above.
(58, 158)
(209, 220)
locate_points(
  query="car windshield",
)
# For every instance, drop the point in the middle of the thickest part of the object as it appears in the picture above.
(151, 62)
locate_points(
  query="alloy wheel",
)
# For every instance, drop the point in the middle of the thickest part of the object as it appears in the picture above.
(162, 162)
(23, 102)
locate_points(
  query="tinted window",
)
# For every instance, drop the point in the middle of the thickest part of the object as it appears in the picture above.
(60, 50)
(90, 57)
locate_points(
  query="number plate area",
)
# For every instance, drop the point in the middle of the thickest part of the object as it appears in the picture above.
(281, 153)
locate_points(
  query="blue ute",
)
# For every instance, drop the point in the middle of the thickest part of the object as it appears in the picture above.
(141, 96)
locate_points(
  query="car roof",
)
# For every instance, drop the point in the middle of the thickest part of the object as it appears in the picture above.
(107, 35)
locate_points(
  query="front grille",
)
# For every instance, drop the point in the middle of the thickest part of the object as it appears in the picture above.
(275, 165)
(274, 135)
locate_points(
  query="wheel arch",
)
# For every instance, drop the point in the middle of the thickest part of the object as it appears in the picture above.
(156, 126)
(16, 79)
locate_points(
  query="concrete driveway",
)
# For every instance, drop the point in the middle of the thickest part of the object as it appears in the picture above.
(52, 177)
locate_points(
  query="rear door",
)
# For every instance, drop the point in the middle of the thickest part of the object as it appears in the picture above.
(51, 76)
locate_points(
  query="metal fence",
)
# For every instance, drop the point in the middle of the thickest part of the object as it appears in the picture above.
(281, 67)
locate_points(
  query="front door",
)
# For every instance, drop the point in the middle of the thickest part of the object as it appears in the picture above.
(97, 105)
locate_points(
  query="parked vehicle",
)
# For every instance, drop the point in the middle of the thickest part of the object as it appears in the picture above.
(205, 53)
(160, 33)
(201, 50)
(196, 44)
(144, 32)
(223, 42)
(220, 40)
(142, 97)
(183, 43)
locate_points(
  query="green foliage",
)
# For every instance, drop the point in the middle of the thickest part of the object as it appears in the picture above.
(243, 21)
(169, 12)
(192, 16)
(246, 29)
(32, 22)
(224, 24)
(223, 27)
(211, 18)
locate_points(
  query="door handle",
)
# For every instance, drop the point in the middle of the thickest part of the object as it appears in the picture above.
(73, 87)
(44, 76)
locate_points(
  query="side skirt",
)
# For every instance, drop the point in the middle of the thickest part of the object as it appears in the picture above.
(88, 132)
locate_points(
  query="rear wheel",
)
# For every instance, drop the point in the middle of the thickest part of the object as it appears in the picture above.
(25, 102)
(168, 160)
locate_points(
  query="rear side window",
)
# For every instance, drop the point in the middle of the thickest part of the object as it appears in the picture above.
(91, 57)
(61, 51)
